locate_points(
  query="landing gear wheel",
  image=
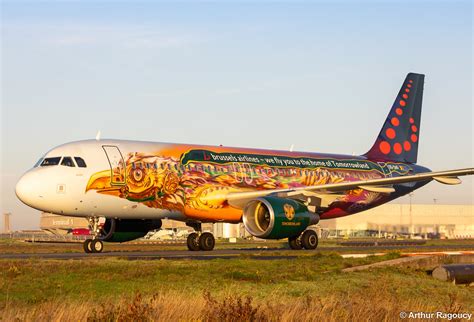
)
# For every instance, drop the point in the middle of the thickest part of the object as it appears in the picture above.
(206, 241)
(97, 246)
(87, 245)
(295, 243)
(193, 242)
(309, 239)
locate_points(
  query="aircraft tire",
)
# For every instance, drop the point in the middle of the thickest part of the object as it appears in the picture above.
(193, 242)
(87, 246)
(206, 241)
(97, 246)
(295, 243)
(309, 239)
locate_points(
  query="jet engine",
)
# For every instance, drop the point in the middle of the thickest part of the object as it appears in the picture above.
(122, 230)
(276, 218)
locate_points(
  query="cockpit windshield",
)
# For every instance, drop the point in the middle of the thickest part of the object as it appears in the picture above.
(38, 163)
(80, 162)
(67, 161)
(64, 161)
(50, 161)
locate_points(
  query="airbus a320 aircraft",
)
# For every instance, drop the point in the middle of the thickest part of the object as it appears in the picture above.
(125, 188)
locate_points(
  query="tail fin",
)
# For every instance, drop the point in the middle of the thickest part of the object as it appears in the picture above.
(398, 140)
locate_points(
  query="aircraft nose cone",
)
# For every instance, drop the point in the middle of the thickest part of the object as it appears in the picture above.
(25, 189)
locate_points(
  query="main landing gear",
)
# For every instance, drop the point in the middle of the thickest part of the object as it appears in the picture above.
(200, 241)
(94, 245)
(307, 240)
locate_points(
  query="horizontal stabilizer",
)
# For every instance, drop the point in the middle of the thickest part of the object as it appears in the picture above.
(448, 180)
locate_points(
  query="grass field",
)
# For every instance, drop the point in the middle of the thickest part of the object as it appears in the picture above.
(303, 288)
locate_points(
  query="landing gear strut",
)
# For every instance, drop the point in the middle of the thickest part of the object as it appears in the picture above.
(198, 240)
(307, 240)
(94, 245)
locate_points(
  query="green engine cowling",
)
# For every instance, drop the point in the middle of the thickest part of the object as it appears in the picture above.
(276, 218)
(123, 230)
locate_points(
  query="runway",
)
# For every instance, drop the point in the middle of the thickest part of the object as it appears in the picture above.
(254, 253)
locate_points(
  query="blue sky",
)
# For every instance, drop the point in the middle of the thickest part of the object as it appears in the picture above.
(319, 75)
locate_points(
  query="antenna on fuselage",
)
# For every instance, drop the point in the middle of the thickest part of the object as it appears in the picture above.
(97, 137)
(292, 147)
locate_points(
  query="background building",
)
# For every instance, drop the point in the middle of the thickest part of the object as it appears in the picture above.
(61, 225)
(444, 221)
(6, 222)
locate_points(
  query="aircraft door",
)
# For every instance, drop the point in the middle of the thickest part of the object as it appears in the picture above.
(117, 165)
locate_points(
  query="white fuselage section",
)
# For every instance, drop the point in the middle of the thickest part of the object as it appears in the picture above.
(61, 189)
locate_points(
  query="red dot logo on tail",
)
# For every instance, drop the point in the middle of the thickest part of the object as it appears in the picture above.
(384, 147)
(397, 148)
(391, 134)
(407, 146)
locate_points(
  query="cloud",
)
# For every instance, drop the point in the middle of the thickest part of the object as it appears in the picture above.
(120, 36)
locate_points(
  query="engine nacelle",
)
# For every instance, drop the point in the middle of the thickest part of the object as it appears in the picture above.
(122, 230)
(276, 218)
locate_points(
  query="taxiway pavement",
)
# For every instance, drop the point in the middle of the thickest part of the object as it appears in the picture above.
(257, 253)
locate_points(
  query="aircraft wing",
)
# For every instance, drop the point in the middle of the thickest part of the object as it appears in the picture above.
(240, 199)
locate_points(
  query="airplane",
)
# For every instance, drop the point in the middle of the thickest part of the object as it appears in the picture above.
(125, 188)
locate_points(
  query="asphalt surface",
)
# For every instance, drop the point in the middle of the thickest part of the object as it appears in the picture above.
(257, 253)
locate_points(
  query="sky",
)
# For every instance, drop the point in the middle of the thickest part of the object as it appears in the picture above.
(321, 76)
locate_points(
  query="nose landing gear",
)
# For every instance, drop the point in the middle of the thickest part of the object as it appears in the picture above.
(94, 245)
(200, 241)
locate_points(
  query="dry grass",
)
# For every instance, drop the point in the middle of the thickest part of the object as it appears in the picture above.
(374, 305)
(241, 289)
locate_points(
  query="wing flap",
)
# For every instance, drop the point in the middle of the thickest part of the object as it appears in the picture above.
(382, 189)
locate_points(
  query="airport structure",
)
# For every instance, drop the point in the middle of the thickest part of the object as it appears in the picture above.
(390, 220)
(435, 221)
(6, 222)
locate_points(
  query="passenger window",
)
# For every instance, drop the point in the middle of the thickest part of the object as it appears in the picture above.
(50, 161)
(67, 161)
(80, 162)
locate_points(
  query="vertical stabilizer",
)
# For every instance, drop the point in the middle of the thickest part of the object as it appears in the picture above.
(399, 138)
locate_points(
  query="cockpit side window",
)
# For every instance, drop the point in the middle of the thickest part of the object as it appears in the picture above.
(50, 161)
(80, 162)
(67, 161)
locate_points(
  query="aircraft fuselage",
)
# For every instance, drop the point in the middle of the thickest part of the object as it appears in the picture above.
(146, 180)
